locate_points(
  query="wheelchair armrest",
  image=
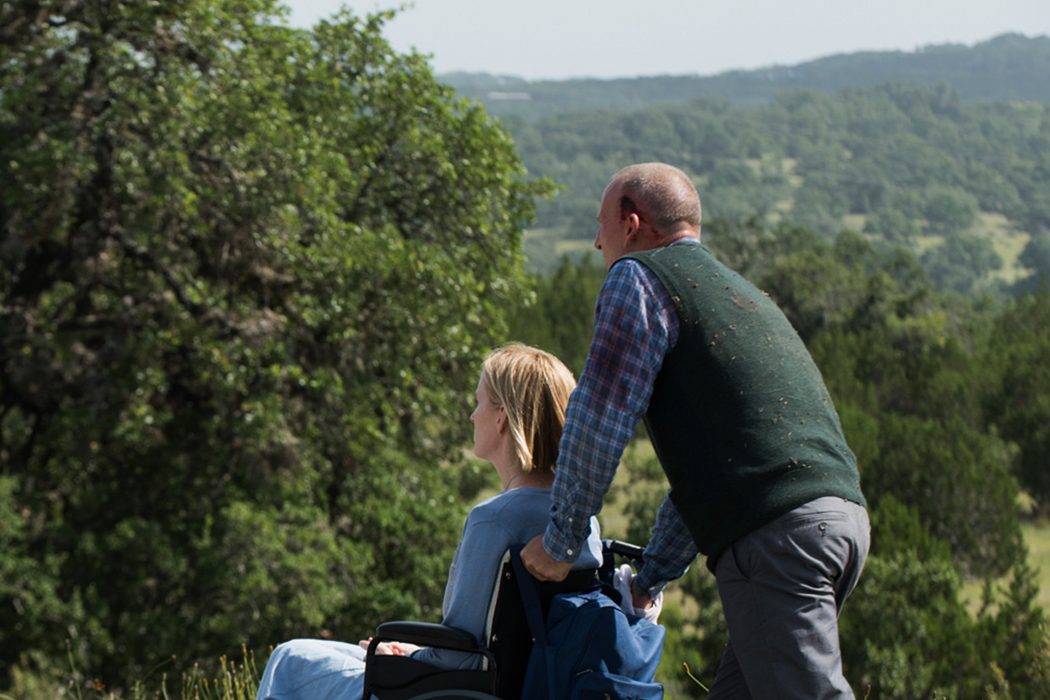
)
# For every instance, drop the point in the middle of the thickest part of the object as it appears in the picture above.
(403, 676)
(426, 634)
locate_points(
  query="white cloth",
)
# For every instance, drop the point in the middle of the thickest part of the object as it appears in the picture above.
(622, 578)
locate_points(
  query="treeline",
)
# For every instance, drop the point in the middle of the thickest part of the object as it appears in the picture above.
(1010, 67)
(944, 401)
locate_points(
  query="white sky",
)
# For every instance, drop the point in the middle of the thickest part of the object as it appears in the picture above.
(620, 38)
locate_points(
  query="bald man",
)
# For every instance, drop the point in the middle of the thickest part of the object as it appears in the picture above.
(762, 481)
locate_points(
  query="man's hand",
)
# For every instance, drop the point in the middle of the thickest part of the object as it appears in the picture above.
(645, 605)
(640, 600)
(542, 565)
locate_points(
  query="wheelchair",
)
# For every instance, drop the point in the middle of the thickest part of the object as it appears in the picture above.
(508, 642)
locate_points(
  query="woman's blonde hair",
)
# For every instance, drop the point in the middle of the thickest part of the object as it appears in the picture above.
(533, 387)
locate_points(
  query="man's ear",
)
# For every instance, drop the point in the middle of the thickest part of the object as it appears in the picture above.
(632, 224)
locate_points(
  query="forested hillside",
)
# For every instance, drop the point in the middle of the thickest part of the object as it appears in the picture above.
(247, 273)
(963, 185)
(944, 151)
(1008, 67)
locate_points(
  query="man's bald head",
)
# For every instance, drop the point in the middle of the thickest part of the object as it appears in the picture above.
(660, 194)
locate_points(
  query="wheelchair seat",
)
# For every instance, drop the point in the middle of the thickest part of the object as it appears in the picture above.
(505, 653)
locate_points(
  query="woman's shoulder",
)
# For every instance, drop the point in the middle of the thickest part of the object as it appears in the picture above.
(506, 503)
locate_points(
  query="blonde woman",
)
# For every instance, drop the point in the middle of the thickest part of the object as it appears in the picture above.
(521, 398)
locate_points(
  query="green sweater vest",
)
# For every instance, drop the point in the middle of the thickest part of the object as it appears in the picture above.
(739, 416)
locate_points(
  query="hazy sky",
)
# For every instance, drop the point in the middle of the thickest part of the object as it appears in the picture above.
(618, 38)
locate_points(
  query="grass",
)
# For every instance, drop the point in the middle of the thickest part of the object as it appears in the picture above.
(1008, 242)
(854, 222)
(1037, 540)
(544, 249)
(229, 681)
(1037, 537)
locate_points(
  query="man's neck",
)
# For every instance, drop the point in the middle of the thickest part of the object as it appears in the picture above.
(679, 237)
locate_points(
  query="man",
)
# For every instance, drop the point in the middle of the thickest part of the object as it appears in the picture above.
(762, 481)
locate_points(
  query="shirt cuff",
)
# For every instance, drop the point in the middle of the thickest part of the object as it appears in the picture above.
(560, 542)
(644, 581)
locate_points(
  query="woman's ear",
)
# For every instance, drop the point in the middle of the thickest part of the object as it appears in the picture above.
(501, 420)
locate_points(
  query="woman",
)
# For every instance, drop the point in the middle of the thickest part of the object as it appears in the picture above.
(521, 399)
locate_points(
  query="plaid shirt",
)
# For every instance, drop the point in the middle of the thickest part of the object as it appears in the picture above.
(635, 326)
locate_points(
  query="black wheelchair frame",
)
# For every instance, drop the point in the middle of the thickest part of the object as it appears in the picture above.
(505, 653)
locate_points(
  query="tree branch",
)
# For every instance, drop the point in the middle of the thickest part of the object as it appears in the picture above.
(195, 309)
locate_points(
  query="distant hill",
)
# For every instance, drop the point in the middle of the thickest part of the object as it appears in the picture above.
(1006, 68)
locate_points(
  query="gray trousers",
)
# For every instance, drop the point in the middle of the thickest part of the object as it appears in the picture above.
(782, 587)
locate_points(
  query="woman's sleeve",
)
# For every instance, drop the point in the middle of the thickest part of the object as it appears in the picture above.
(470, 582)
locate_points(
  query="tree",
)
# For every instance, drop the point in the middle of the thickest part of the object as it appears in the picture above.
(1036, 256)
(949, 210)
(561, 318)
(961, 263)
(893, 225)
(958, 480)
(904, 632)
(907, 634)
(247, 275)
(1020, 404)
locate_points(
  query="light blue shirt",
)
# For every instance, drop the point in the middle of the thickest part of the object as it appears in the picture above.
(511, 517)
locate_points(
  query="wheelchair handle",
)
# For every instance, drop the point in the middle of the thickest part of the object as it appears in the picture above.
(624, 549)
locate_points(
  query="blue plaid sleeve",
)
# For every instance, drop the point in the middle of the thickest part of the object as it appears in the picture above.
(635, 327)
(669, 553)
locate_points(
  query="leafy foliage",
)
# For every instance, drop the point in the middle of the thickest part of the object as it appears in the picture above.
(1036, 255)
(248, 272)
(560, 320)
(1020, 403)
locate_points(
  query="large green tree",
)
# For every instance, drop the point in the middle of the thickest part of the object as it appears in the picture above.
(246, 274)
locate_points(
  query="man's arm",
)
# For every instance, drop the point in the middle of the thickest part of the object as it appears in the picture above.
(635, 327)
(670, 551)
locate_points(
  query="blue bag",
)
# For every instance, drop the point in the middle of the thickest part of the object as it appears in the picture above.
(588, 648)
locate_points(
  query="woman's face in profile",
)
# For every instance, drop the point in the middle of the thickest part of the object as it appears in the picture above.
(486, 422)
